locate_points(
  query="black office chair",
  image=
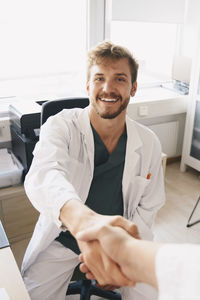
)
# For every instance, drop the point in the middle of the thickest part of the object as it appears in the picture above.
(79, 285)
(87, 288)
(53, 107)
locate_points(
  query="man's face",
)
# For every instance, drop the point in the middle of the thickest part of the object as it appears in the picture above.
(110, 87)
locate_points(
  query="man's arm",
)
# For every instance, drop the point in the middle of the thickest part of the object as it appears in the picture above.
(76, 216)
(48, 183)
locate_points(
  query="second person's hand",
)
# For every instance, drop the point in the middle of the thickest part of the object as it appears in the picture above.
(101, 266)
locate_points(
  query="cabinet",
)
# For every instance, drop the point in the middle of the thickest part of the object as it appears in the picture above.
(191, 146)
(17, 213)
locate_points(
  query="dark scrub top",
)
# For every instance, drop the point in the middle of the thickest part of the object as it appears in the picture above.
(105, 195)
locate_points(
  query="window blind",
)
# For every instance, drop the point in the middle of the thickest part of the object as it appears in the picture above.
(167, 11)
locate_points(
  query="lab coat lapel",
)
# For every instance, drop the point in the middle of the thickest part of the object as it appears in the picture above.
(132, 161)
(134, 142)
(87, 135)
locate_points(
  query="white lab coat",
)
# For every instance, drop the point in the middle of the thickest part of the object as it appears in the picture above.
(178, 272)
(62, 169)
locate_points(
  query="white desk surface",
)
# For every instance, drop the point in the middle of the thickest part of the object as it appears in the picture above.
(10, 277)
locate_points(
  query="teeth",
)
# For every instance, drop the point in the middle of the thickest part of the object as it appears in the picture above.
(108, 100)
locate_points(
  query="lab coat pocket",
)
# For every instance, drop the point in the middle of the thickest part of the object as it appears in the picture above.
(137, 188)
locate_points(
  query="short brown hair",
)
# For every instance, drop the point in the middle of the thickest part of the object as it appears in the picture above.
(108, 50)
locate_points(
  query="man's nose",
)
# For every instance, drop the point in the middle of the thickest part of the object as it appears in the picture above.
(108, 86)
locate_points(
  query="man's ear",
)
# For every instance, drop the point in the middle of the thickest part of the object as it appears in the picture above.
(87, 88)
(134, 89)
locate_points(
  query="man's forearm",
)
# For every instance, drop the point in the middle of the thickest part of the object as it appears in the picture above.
(74, 215)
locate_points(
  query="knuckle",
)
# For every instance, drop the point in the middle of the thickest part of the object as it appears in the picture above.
(116, 219)
(101, 281)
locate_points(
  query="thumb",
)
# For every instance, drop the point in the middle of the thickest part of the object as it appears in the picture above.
(128, 226)
(133, 231)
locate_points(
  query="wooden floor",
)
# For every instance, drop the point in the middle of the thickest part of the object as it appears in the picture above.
(182, 192)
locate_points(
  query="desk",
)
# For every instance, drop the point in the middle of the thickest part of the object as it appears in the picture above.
(10, 277)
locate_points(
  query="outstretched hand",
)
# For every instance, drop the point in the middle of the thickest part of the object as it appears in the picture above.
(112, 236)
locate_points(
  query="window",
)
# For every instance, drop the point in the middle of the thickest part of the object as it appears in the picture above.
(154, 32)
(43, 48)
(153, 44)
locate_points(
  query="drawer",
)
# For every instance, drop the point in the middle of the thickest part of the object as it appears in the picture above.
(18, 214)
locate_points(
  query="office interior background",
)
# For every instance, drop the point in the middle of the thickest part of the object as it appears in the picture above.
(43, 54)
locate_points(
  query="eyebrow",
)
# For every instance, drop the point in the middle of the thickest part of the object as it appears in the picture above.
(118, 74)
(98, 74)
(122, 74)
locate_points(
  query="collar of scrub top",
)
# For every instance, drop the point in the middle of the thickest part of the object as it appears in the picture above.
(134, 141)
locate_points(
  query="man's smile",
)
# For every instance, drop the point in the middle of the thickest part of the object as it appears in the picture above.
(108, 100)
(112, 99)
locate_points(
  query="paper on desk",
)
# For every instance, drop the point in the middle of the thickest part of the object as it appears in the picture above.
(3, 294)
(6, 162)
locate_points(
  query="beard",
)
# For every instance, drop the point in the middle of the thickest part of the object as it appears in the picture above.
(109, 114)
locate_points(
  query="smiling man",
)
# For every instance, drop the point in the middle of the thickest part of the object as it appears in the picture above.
(110, 87)
(89, 166)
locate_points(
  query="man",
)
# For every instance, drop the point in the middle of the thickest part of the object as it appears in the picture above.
(96, 156)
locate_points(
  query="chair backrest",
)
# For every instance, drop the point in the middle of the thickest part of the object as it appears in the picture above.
(53, 107)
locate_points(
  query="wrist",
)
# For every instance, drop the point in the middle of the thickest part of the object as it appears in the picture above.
(74, 215)
(143, 261)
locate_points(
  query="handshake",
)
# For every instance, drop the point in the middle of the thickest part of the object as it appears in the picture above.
(114, 255)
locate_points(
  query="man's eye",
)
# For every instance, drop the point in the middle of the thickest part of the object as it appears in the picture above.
(99, 79)
(120, 79)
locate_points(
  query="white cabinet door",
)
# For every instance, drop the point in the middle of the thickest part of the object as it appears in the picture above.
(191, 145)
(195, 145)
